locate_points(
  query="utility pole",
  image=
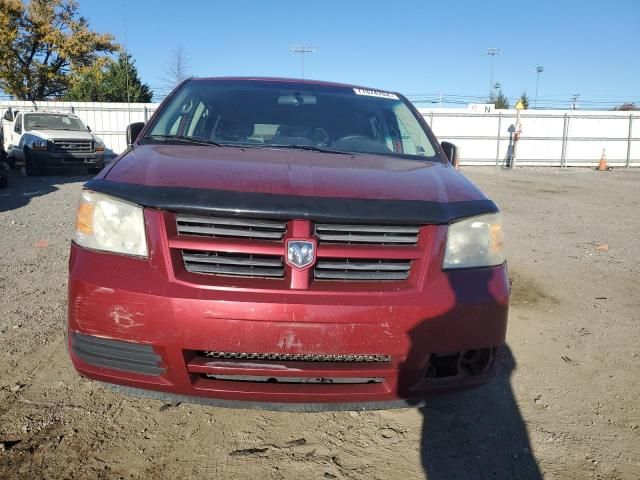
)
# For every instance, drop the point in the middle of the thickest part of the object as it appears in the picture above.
(492, 52)
(539, 70)
(302, 49)
(574, 99)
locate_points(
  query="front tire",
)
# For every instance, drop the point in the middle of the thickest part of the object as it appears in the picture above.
(31, 165)
(94, 170)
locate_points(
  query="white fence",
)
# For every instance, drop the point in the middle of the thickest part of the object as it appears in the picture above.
(560, 138)
(549, 137)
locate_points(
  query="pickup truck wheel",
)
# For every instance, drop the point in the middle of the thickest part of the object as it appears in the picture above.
(94, 170)
(31, 165)
(4, 180)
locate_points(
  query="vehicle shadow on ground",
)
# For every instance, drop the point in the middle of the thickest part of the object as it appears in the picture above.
(22, 189)
(478, 433)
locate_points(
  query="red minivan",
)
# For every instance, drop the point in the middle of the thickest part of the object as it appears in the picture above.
(286, 244)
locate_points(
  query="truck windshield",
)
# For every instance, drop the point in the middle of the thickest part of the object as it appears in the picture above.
(35, 121)
(279, 114)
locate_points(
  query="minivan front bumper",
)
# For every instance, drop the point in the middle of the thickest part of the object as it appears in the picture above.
(129, 324)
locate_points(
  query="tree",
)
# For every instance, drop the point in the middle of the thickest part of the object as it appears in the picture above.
(524, 99)
(42, 42)
(178, 69)
(117, 81)
(626, 107)
(500, 101)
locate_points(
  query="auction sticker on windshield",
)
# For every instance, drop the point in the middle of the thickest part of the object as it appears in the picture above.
(375, 93)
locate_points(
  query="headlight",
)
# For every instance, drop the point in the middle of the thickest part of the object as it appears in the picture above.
(475, 242)
(39, 145)
(106, 223)
(99, 146)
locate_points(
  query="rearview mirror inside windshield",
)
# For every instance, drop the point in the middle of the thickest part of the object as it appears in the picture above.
(297, 99)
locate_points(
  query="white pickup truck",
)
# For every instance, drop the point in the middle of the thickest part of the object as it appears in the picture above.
(42, 141)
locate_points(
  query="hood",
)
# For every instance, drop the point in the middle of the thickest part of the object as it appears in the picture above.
(292, 173)
(63, 134)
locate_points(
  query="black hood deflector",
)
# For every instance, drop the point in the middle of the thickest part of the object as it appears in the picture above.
(267, 205)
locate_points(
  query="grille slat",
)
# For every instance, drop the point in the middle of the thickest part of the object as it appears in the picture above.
(368, 234)
(340, 275)
(367, 228)
(227, 232)
(233, 221)
(383, 266)
(228, 260)
(346, 269)
(243, 265)
(230, 227)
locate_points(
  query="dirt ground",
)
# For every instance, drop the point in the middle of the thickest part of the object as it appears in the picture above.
(565, 405)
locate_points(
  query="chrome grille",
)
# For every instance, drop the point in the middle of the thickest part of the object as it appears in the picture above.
(72, 145)
(235, 264)
(230, 227)
(367, 234)
(297, 357)
(348, 269)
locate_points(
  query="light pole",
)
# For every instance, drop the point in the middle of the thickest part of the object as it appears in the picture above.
(492, 52)
(302, 49)
(539, 70)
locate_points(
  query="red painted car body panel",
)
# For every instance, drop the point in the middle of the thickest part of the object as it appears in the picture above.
(152, 302)
(157, 302)
(289, 172)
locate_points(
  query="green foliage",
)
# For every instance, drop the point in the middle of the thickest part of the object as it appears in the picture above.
(500, 102)
(116, 81)
(41, 43)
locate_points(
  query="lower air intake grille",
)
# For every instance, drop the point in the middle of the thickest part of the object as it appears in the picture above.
(235, 264)
(346, 269)
(116, 354)
(295, 357)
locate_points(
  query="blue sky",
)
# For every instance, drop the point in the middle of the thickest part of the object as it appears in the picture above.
(416, 47)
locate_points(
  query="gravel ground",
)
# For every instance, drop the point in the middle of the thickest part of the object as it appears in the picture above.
(565, 405)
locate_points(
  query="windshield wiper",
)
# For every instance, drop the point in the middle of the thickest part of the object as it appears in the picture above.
(184, 139)
(311, 148)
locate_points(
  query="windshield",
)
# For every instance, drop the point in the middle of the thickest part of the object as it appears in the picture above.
(290, 115)
(48, 121)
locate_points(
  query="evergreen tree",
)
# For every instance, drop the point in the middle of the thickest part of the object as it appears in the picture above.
(117, 81)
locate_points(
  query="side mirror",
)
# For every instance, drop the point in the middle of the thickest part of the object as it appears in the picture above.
(8, 115)
(133, 130)
(451, 151)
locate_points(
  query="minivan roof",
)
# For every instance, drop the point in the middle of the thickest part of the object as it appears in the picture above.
(300, 81)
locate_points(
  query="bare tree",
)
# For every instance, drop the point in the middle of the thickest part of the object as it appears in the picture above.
(178, 69)
(627, 106)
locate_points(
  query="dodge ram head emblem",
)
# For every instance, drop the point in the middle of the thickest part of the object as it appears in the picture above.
(300, 253)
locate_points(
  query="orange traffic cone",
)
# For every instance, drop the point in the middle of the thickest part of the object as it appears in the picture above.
(602, 166)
